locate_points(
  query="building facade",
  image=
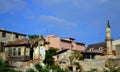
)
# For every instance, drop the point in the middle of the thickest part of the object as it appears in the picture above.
(6, 36)
(67, 43)
(23, 52)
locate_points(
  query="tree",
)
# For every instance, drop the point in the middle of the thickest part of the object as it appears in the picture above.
(33, 36)
(71, 58)
(4, 67)
(30, 70)
(54, 68)
(57, 68)
(111, 67)
(77, 55)
(39, 68)
(49, 60)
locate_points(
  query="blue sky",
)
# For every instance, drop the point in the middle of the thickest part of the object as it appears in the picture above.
(84, 20)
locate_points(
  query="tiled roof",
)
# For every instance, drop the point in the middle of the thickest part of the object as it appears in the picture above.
(61, 51)
(33, 41)
(90, 52)
(80, 43)
(66, 40)
(97, 45)
(12, 32)
(23, 41)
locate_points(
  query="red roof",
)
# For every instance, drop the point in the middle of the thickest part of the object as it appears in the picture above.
(105, 52)
(23, 41)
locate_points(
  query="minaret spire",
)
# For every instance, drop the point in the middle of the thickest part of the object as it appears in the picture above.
(108, 24)
(108, 39)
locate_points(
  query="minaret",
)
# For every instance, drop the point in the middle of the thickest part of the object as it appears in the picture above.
(108, 39)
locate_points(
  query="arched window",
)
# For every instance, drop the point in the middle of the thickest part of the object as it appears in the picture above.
(100, 48)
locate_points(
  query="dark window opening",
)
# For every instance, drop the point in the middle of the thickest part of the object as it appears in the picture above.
(31, 53)
(3, 34)
(19, 51)
(63, 48)
(2, 47)
(16, 36)
(14, 51)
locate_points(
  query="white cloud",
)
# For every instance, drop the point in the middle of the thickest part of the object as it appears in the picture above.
(55, 21)
(73, 3)
(8, 5)
(58, 24)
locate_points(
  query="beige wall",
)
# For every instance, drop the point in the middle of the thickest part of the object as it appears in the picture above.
(116, 46)
(9, 37)
(27, 51)
(64, 57)
(22, 50)
(2, 55)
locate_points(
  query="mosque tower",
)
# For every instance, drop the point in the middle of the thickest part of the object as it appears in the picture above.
(108, 39)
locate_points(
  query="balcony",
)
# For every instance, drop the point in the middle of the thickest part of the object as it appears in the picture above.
(17, 58)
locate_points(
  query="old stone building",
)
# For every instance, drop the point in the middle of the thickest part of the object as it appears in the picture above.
(24, 52)
(6, 36)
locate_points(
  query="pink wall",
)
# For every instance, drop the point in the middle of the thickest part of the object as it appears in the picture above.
(78, 46)
(56, 42)
(65, 45)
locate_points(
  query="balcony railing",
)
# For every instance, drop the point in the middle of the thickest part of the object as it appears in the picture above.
(17, 58)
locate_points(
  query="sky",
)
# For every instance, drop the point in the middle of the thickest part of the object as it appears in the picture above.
(84, 20)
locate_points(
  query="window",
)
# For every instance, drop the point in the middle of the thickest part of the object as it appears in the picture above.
(91, 49)
(1, 47)
(16, 36)
(62, 48)
(3, 34)
(9, 51)
(14, 51)
(19, 51)
(100, 49)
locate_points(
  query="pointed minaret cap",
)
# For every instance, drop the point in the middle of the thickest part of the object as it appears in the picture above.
(108, 24)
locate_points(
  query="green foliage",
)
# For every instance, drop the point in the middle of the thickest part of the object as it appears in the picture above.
(4, 67)
(30, 70)
(93, 70)
(39, 68)
(49, 60)
(57, 68)
(33, 36)
(111, 67)
(77, 55)
(47, 68)
(46, 43)
(77, 64)
(71, 58)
